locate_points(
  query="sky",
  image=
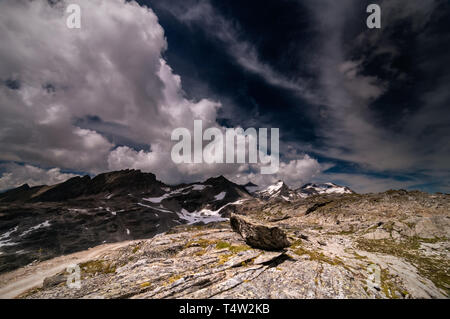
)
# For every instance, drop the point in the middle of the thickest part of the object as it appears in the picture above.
(365, 108)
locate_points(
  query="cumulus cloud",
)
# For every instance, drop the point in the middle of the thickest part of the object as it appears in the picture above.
(110, 68)
(17, 175)
(71, 96)
(351, 128)
(294, 173)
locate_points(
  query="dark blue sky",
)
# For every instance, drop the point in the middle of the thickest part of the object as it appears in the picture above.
(366, 108)
(407, 60)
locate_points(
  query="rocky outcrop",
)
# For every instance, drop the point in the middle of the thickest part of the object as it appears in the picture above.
(213, 261)
(259, 235)
(72, 188)
(39, 223)
(280, 191)
(320, 189)
(275, 249)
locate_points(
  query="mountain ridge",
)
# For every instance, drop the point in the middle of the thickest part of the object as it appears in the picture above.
(329, 252)
(132, 179)
(37, 223)
(280, 190)
(177, 230)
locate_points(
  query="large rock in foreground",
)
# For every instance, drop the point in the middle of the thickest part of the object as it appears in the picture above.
(259, 235)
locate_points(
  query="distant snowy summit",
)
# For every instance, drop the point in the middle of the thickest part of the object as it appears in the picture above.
(277, 190)
(282, 191)
(326, 188)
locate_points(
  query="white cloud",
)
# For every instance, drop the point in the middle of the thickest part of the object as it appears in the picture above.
(111, 69)
(350, 128)
(294, 173)
(18, 175)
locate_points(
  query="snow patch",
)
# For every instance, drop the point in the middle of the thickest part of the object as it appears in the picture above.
(157, 200)
(198, 187)
(110, 211)
(274, 188)
(329, 188)
(183, 191)
(41, 225)
(4, 241)
(205, 215)
(220, 196)
(156, 208)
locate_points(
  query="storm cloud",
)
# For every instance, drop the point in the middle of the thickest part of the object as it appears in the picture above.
(93, 99)
(367, 108)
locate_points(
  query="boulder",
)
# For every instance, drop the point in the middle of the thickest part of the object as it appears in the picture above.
(259, 235)
(54, 281)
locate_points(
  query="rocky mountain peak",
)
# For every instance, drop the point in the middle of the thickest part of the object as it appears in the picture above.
(250, 184)
(251, 187)
(276, 190)
(24, 187)
(280, 190)
(125, 180)
(257, 254)
(325, 188)
(218, 180)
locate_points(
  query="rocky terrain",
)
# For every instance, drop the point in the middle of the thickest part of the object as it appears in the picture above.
(38, 223)
(330, 244)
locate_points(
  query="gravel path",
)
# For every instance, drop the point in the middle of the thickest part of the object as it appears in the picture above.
(16, 282)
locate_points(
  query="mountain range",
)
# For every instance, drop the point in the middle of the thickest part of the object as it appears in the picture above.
(136, 237)
(281, 191)
(41, 222)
